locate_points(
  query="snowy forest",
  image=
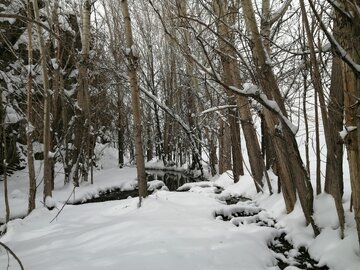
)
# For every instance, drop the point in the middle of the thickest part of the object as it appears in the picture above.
(180, 134)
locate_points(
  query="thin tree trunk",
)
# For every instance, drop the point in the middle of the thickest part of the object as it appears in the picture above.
(149, 133)
(317, 147)
(191, 85)
(307, 139)
(132, 58)
(47, 137)
(330, 140)
(29, 131)
(4, 155)
(120, 129)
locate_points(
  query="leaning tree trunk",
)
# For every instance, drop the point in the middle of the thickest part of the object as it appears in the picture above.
(329, 135)
(132, 62)
(30, 127)
(47, 137)
(228, 77)
(291, 169)
(226, 19)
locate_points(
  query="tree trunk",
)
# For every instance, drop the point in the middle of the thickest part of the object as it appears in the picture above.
(349, 38)
(120, 129)
(4, 155)
(336, 120)
(82, 124)
(336, 111)
(224, 147)
(149, 135)
(291, 169)
(307, 140)
(227, 44)
(330, 140)
(47, 137)
(191, 86)
(30, 127)
(132, 59)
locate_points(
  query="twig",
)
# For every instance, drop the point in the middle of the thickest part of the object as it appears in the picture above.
(58, 213)
(13, 254)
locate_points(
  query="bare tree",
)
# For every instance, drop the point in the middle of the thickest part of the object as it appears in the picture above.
(347, 47)
(46, 132)
(82, 126)
(30, 127)
(226, 20)
(329, 136)
(292, 173)
(4, 155)
(131, 54)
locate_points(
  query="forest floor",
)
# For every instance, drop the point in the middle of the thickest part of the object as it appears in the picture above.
(206, 227)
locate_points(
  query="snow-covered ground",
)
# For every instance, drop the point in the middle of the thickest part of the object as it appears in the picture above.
(172, 230)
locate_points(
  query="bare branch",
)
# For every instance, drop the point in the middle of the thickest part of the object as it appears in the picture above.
(26, 19)
(12, 254)
(339, 50)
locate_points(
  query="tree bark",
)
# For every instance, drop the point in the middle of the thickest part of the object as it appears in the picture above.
(349, 38)
(191, 87)
(291, 169)
(4, 155)
(120, 129)
(132, 62)
(30, 127)
(226, 19)
(82, 152)
(47, 136)
(224, 147)
(329, 135)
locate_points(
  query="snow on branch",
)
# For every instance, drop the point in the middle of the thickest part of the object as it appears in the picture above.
(26, 19)
(340, 51)
(250, 90)
(345, 132)
(217, 108)
(171, 113)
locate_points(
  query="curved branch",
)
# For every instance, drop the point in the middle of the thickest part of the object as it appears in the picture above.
(337, 7)
(339, 50)
(13, 254)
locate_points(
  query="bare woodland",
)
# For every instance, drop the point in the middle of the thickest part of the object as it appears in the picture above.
(180, 80)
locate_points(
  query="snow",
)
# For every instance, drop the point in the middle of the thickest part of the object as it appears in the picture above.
(346, 131)
(127, 51)
(217, 108)
(155, 184)
(54, 63)
(174, 229)
(171, 229)
(12, 116)
(251, 89)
